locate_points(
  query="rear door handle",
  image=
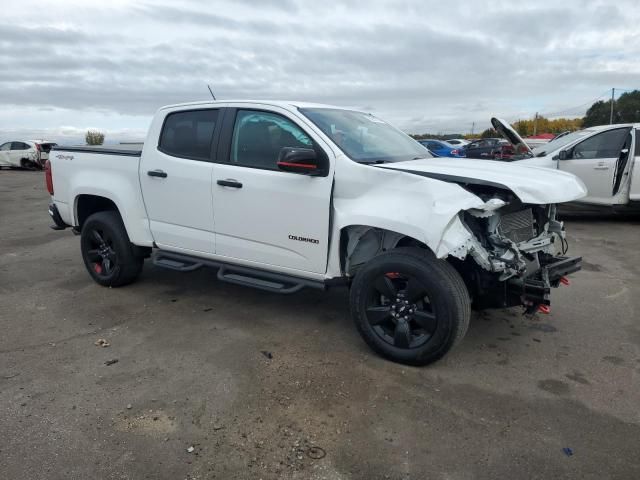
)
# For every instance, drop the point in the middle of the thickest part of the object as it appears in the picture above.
(229, 182)
(601, 166)
(157, 173)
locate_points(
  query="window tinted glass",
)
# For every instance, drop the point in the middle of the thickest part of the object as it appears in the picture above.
(19, 146)
(637, 152)
(5, 146)
(604, 145)
(259, 136)
(365, 138)
(189, 134)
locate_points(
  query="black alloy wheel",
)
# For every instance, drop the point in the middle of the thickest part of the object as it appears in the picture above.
(111, 259)
(410, 306)
(101, 253)
(399, 310)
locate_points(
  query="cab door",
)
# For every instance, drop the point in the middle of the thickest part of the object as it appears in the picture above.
(175, 177)
(595, 161)
(264, 215)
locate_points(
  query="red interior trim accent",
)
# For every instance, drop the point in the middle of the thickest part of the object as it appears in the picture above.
(301, 165)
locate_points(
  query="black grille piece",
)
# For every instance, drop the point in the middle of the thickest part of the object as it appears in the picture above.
(518, 226)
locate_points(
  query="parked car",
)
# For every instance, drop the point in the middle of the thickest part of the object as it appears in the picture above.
(440, 148)
(457, 142)
(484, 148)
(606, 158)
(25, 154)
(504, 152)
(317, 196)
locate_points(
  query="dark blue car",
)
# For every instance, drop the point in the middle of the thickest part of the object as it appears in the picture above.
(439, 148)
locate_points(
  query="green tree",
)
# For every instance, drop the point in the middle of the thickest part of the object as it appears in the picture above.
(627, 107)
(93, 137)
(598, 114)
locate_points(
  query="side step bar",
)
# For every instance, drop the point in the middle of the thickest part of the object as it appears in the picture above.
(245, 276)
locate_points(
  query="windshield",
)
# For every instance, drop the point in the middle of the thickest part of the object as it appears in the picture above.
(558, 143)
(365, 138)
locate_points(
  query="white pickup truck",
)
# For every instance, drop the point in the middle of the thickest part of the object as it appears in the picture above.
(286, 195)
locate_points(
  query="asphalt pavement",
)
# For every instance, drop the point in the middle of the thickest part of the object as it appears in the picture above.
(202, 379)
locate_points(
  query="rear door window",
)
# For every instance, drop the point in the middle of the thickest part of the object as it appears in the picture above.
(5, 147)
(19, 146)
(188, 134)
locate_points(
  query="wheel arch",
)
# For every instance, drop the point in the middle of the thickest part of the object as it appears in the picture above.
(361, 243)
(88, 204)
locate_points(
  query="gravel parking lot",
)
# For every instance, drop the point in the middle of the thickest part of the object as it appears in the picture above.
(266, 386)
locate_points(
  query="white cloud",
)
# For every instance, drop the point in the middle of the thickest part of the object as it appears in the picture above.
(426, 66)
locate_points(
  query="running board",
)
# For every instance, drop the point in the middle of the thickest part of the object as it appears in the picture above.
(245, 276)
(181, 263)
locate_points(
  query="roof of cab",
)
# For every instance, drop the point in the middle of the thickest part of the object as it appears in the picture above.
(614, 125)
(288, 104)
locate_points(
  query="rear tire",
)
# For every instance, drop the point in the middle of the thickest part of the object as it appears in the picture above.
(110, 258)
(409, 306)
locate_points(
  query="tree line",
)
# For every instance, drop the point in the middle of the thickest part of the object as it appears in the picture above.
(626, 109)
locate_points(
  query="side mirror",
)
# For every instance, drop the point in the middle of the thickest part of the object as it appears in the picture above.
(563, 155)
(302, 160)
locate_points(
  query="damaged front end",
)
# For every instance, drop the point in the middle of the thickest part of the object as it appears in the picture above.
(514, 255)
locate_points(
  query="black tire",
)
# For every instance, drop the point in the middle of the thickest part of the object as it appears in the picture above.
(435, 319)
(27, 164)
(110, 258)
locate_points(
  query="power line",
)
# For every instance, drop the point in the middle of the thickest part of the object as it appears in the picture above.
(591, 102)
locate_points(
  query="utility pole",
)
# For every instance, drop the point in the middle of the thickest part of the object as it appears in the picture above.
(613, 93)
(535, 125)
(473, 126)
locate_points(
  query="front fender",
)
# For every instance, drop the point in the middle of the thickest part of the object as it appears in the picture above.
(418, 207)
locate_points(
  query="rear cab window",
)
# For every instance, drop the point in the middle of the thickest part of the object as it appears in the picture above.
(188, 134)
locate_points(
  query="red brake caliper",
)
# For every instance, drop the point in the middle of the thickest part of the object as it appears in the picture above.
(392, 275)
(98, 268)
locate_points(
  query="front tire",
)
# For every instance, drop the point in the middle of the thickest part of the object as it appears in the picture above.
(110, 258)
(409, 306)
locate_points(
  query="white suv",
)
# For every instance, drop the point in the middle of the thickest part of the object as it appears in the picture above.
(25, 154)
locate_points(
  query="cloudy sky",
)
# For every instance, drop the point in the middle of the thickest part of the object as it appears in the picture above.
(69, 65)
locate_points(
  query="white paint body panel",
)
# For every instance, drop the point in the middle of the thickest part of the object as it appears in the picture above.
(111, 176)
(190, 213)
(530, 184)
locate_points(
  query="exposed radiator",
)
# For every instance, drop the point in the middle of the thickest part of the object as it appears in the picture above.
(518, 226)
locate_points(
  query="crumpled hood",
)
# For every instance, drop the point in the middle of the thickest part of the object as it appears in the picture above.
(530, 184)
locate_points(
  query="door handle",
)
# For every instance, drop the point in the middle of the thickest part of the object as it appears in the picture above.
(601, 166)
(157, 173)
(229, 182)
